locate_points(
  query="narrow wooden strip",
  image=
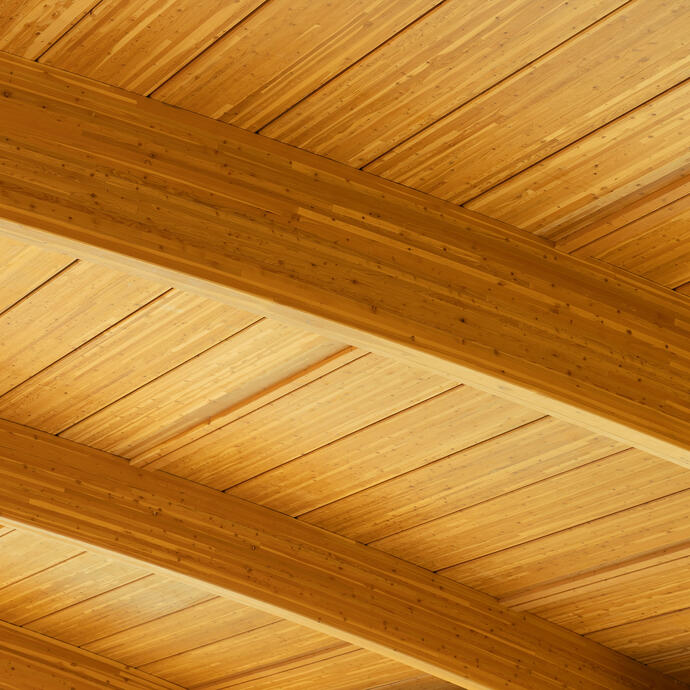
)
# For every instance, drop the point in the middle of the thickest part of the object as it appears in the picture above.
(155, 458)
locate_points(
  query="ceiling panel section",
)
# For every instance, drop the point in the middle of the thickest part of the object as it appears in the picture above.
(29, 27)
(635, 596)
(491, 468)
(357, 395)
(431, 69)
(78, 304)
(138, 44)
(216, 379)
(195, 626)
(283, 52)
(592, 491)
(629, 540)
(151, 341)
(621, 163)
(625, 60)
(401, 443)
(25, 268)
(260, 652)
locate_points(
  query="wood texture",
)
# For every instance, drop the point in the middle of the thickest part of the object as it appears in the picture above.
(248, 552)
(574, 90)
(139, 44)
(283, 52)
(29, 661)
(290, 234)
(428, 71)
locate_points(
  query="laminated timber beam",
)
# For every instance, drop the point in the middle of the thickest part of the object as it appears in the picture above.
(279, 564)
(29, 660)
(102, 173)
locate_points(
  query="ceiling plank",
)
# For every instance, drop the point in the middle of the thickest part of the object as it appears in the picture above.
(91, 169)
(30, 660)
(294, 570)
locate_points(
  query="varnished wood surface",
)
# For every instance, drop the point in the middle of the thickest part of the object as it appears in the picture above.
(211, 539)
(498, 310)
(29, 661)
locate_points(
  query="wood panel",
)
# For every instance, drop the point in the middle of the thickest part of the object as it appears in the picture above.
(139, 44)
(656, 245)
(410, 439)
(282, 53)
(334, 586)
(255, 653)
(31, 26)
(663, 642)
(150, 342)
(427, 71)
(574, 90)
(227, 373)
(626, 541)
(29, 661)
(641, 152)
(355, 396)
(585, 493)
(24, 269)
(499, 465)
(77, 305)
(198, 625)
(486, 305)
(612, 602)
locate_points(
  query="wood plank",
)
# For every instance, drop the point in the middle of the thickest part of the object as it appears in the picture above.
(425, 72)
(656, 246)
(29, 661)
(401, 443)
(371, 263)
(619, 164)
(223, 375)
(139, 44)
(574, 90)
(616, 601)
(662, 642)
(119, 608)
(154, 457)
(355, 396)
(150, 342)
(210, 621)
(626, 541)
(74, 307)
(25, 268)
(600, 488)
(526, 455)
(264, 651)
(29, 27)
(334, 586)
(283, 52)
(351, 670)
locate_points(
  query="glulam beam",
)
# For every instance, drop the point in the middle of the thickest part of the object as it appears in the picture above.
(272, 562)
(98, 172)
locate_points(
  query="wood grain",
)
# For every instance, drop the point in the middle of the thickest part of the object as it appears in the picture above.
(371, 263)
(334, 586)
(29, 661)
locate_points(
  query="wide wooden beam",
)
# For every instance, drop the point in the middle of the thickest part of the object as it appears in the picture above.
(29, 660)
(99, 172)
(295, 570)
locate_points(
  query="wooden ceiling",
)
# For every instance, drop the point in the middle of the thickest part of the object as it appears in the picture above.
(567, 120)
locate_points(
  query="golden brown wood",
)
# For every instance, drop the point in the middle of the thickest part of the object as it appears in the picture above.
(282, 232)
(29, 661)
(283, 566)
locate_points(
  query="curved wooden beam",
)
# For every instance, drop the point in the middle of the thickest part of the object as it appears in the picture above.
(205, 206)
(281, 565)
